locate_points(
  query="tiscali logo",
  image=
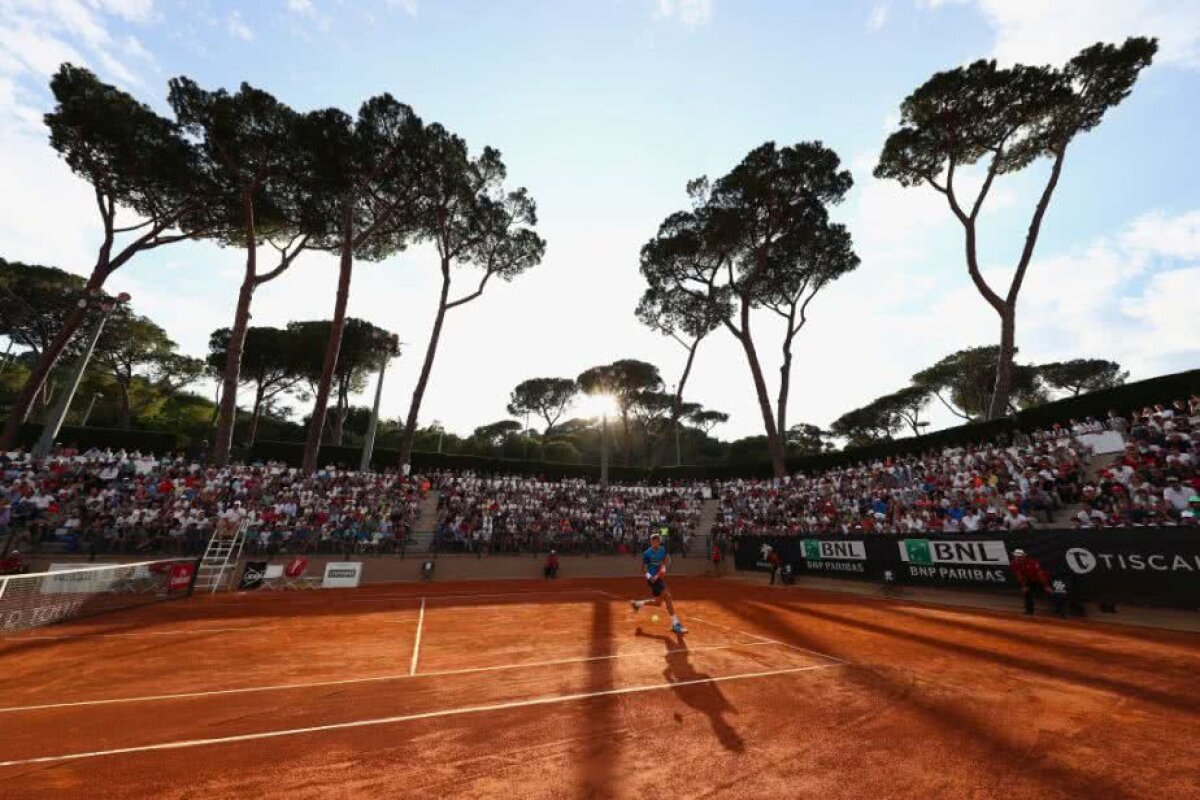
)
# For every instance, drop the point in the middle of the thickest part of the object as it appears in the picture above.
(1080, 560)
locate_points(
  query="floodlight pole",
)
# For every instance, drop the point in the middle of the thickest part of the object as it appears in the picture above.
(54, 424)
(91, 405)
(373, 425)
(604, 449)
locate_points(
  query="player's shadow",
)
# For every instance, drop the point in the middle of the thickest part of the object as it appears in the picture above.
(697, 689)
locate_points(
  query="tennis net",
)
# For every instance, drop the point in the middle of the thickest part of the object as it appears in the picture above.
(68, 592)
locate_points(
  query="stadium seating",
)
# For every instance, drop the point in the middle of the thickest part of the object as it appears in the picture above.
(115, 502)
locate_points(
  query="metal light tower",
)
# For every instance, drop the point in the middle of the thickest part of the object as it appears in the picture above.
(373, 426)
(54, 423)
(91, 405)
(604, 449)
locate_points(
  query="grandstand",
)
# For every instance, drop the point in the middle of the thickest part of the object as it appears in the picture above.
(664, 544)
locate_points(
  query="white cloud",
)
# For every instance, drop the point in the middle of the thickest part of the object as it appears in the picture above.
(132, 10)
(878, 17)
(238, 28)
(691, 13)
(1173, 237)
(36, 36)
(1122, 297)
(306, 11)
(407, 6)
(1037, 31)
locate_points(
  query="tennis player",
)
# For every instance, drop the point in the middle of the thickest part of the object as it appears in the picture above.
(654, 562)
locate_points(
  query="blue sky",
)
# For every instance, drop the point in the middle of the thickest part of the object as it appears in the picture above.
(604, 109)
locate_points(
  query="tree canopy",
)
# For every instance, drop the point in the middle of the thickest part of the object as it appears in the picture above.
(759, 237)
(1004, 119)
(548, 398)
(1081, 375)
(475, 223)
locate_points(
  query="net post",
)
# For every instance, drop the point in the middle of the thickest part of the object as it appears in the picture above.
(195, 574)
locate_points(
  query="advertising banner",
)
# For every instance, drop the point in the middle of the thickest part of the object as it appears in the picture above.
(181, 577)
(252, 575)
(1159, 566)
(74, 580)
(342, 575)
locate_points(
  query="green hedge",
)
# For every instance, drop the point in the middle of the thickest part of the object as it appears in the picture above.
(158, 442)
(1124, 399)
(293, 453)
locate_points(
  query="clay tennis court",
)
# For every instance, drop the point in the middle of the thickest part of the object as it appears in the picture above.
(523, 689)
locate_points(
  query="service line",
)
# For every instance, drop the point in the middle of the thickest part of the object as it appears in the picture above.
(375, 678)
(449, 712)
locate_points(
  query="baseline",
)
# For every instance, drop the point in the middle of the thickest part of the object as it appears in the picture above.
(188, 632)
(374, 678)
(449, 712)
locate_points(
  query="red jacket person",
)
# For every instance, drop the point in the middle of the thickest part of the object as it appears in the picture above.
(1030, 575)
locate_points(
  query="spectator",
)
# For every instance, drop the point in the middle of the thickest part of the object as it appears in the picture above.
(550, 570)
(1176, 495)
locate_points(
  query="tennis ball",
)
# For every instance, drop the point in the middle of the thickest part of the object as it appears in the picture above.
(654, 618)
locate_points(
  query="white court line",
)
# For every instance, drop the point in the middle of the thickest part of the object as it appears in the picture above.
(376, 678)
(763, 638)
(448, 712)
(412, 669)
(751, 635)
(19, 638)
(385, 598)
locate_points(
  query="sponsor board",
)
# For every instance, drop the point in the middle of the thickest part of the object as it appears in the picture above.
(252, 575)
(971, 561)
(181, 577)
(834, 555)
(342, 575)
(22, 618)
(72, 580)
(764, 556)
(987, 553)
(1156, 566)
(1083, 560)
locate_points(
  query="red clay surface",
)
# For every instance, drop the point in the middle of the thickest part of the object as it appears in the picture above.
(546, 690)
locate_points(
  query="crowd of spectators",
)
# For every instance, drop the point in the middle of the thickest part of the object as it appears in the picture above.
(101, 502)
(1154, 480)
(960, 490)
(514, 513)
(1038, 480)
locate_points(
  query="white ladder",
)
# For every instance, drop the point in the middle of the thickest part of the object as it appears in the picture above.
(220, 558)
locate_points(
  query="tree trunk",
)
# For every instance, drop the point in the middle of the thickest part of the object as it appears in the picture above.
(774, 442)
(414, 406)
(255, 414)
(1004, 365)
(785, 385)
(126, 416)
(36, 381)
(212, 422)
(227, 415)
(337, 327)
(338, 429)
